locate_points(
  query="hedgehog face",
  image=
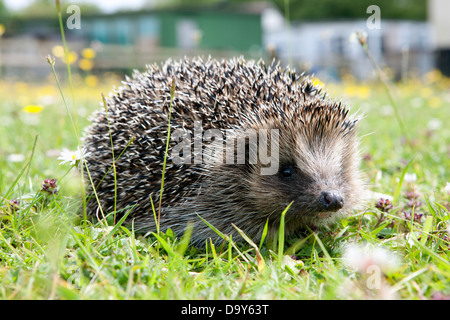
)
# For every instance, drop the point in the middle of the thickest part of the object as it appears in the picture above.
(318, 174)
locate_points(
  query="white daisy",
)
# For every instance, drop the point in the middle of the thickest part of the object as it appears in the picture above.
(72, 156)
(410, 177)
(16, 157)
(447, 188)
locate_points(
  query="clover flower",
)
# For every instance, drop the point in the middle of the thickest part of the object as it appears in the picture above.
(14, 205)
(417, 215)
(384, 205)
(49, 186)
(412, 196)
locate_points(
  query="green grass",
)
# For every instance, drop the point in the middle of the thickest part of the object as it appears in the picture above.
(48, 252)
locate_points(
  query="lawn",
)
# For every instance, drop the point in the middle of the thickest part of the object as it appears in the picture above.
(388, 250)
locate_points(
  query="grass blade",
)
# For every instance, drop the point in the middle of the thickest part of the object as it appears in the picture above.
(264, 234)
(222, 235)
(259, 258)
(426, 229)
(172, 93)
(444, 262)
(281, 235)
(116, 226)
(398, 189)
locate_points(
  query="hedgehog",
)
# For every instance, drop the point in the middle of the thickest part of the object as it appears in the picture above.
(247, 141)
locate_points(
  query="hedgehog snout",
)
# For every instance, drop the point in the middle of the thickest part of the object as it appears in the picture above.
(331, 200)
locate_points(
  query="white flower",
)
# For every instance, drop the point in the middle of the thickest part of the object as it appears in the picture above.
(434, 124)
(358, 36)
(362, 258)
(410, 177)
(386, 110)
(16, 157)
(378, 176)
(416, 103)
(447, 188)
(72, 156)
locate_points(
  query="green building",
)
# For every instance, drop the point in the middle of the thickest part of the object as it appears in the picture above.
(220, 29)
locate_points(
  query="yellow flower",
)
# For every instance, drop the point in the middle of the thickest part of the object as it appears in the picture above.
(46, 90)
(316, 82)
(21, 87)
(73, 56)
(357, 91)
(363, 92)
(350, 91)
(86, 64)
(347, 77)
(2, 29)
(433, 76)
(88, 53)
(426, 92)
(31, 108)
(58, 51)
(91, 81)
(434, 102)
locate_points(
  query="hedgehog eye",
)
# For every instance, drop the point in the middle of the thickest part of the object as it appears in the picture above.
(287, 172)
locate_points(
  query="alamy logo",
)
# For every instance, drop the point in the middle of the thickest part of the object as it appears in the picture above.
(374, 21)
(230, 146)
(374, 279)
(74, 20)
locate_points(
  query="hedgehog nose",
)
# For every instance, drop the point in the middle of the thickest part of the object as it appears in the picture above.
(331, 200)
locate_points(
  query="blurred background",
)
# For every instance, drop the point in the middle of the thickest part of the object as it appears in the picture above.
(312, 36)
